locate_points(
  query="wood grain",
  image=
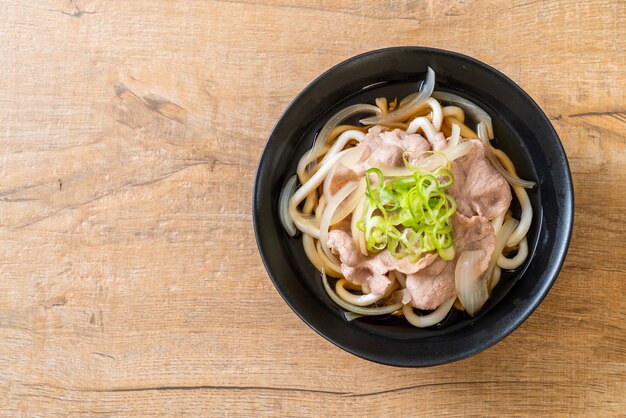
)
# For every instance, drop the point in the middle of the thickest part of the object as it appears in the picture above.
(129, 278)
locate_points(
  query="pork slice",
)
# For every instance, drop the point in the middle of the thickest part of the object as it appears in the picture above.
(404, 265)
(432, 286)
(356, 267)
(384, 152)
(408, 142)
(478, 188)
(376, 129)
(435, 284)
(371, 270)
(386, 148)
(340, 176)
(473, 234)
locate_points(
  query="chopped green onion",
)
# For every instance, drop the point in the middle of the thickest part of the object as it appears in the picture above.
(409, 215)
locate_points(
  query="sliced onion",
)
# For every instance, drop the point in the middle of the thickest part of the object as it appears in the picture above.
(475, 112)
(381, 102)
(350, 157)
(408, 107)
(283, 206)
(470, 286)
(357, 235)
(513, 180)
(351, 316)
(433, 318)
(358, 300)
(338, 118)
(383, 310)
(350, 204)
(455, 137)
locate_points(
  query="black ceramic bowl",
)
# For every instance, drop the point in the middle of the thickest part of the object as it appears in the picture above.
(522, 131)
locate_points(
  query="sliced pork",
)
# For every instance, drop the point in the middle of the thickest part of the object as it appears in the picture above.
(371, 270)
(386, 148)
(480, 192)
(340, 176)
(478, 188)
(435, 284)
(382, 148)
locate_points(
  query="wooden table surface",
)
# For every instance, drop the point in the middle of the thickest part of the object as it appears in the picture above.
(130, 282)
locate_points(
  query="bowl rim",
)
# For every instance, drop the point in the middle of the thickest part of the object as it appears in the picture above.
(561, 249)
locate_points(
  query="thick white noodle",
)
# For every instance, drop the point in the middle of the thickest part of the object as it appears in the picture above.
(475, 112)
(518, 260)
(497, 222)
(306, 161)
(338, 118)
(437, 115)
(312, 253)
(408, 105)
(495, 278)
(426, 127)
(325, 261)
(429, 320)
(310, 203)
(360, 300)
(357, 309)
(501, 239)
(454, 111)
(522, 196)
(341, 142)
(320, 209)
(307, 223)
(315, 180)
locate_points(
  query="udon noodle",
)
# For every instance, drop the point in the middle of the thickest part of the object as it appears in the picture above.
(362, 207)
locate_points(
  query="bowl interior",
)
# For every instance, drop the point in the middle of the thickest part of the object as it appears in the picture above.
(521, 130)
